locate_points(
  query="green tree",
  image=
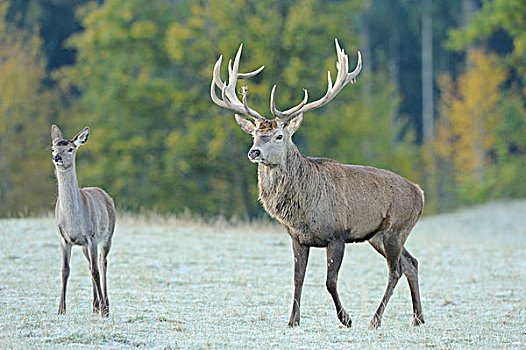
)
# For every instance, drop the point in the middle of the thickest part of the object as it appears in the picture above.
(466, 133)
(497, 15)
(55, 20)
(480, 148)
(25, 111)
(158, 141)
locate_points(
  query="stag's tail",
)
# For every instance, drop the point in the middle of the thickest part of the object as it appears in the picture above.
(421, 192)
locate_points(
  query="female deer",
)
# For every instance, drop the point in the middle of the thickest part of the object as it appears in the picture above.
(84, 217)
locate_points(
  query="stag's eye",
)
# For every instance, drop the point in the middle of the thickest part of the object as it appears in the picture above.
(70, 150)
(279, 137)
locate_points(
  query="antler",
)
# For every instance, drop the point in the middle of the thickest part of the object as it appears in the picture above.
(342, 79)
(228, 92)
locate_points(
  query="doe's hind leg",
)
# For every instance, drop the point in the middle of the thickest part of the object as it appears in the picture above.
(105, 302)
(96, 300)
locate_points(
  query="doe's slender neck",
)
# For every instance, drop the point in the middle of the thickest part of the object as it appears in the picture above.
(68, 190)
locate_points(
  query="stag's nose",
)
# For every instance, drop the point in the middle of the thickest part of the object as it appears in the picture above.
(254, 153)
(57, 158)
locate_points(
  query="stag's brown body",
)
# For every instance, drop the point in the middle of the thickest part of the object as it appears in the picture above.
(320, 200)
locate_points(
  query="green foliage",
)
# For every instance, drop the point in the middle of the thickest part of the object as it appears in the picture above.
(158, 140)
(25, 111)
(506, 15)
(480, 150)
(509, 150)
(141, 79)
(480, 141)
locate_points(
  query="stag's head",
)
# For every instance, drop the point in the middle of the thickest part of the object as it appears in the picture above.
(273, 137)
(64, 150)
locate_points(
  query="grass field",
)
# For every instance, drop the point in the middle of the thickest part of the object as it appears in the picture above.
(183, 285)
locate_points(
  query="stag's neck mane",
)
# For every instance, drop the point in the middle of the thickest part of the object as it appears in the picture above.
(282, 188)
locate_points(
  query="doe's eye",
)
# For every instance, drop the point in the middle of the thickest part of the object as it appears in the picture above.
(279, 137)
(70, 150)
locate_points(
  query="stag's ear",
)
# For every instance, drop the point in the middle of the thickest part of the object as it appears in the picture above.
(81, 138)
(293, 124)
(56, 134)
(245, 124)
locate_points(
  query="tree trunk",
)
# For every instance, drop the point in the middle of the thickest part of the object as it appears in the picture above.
(427, 72)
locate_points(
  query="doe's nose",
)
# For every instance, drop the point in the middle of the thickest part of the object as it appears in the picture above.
(254, 153)
(57, 158)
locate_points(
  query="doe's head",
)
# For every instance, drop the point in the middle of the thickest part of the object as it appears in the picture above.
(63, 150)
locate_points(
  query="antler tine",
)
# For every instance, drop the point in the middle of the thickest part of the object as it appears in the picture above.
(352, 76)
(216, 81)
(342, 79)
(273, 109)
(290, 113)
(228, 91)
(250, 74)
(249, 111)
(216, 76)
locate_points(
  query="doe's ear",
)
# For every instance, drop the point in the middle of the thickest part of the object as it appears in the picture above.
(294, 124)
(81, 138)
(245, 124)
(56, 134)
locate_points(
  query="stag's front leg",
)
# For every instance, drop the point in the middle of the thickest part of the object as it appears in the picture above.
(66, 257)
(335, 252)
(301, 257)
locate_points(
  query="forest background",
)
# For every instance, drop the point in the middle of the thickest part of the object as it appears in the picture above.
(440, 100)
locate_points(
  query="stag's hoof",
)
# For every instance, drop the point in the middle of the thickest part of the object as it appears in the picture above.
(418, 321)
(376, 322)
(345, 319)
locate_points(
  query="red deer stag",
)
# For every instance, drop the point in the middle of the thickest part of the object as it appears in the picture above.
(321, 202)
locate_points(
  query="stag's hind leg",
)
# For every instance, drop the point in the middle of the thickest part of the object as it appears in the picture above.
(96, 300)
(390, 246)
(335, 252)
(105, 303)
(410, 270)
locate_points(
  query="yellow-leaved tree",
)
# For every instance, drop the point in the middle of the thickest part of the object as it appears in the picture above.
(466, 134)
(26, 184)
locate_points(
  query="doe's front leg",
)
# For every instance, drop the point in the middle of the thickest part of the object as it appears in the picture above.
(66, 258)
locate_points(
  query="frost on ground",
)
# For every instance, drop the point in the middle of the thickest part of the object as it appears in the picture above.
(196, 286)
